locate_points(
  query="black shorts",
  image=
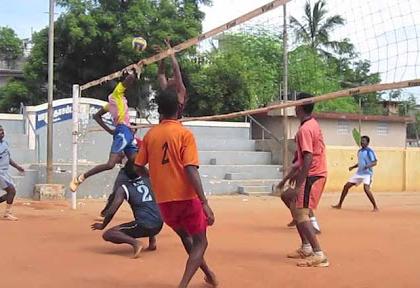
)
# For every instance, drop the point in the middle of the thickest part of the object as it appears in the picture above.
(135, 230)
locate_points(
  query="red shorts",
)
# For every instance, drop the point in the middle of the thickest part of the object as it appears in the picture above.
(310, 192)
(187, 215)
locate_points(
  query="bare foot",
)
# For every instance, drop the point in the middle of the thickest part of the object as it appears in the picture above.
(152, 244)
(336, 206)
(212, 281)
(137, 249)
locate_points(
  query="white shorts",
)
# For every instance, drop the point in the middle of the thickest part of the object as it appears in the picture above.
(358, 179)
(5, 180)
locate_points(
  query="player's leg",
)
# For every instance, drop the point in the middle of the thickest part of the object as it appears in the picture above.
(197, 245)
(318, 259)
(305, 250)
(114, 159)
(370, 196)
(187, 242)
(314, 222)
(308, 198)
(188, 220)
(10, 196)
(121, 139)
(346, 188)
(125, 234)
(286, 197)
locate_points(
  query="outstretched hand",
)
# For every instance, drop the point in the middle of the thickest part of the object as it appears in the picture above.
(157, 48)
(97, 226)
(168, 43)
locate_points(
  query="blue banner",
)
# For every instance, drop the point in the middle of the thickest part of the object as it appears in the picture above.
(62, 113)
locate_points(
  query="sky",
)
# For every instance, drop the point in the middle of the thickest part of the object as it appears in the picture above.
(386, 32)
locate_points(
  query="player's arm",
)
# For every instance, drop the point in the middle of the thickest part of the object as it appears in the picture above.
(289, 176)
(100, 121)
(16, 166)
(109, 214)
(180, 87)
(353, 167)
(372, 158)
(195, 180)
(163, 82)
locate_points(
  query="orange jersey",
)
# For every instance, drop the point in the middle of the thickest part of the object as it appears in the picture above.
(168, 148)
(309, 139)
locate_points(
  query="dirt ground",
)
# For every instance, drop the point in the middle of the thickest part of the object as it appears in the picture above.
(52, 246)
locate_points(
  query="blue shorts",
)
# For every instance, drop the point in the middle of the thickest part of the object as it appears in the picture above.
(123, 140)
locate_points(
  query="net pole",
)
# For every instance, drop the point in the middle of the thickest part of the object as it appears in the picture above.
(75, 136)
(285, 86)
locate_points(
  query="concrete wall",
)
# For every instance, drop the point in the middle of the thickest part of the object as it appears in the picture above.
(93, 147)
(397, 169)
(12, 123)
(337, 132)
(412, 164)
(343, 137)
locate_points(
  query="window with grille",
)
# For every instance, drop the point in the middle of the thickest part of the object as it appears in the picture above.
(343, 127)
(382, 129)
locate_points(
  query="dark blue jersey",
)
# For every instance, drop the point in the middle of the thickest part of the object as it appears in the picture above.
(140, 196)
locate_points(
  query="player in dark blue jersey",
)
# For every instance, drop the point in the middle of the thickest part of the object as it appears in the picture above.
(148, 222)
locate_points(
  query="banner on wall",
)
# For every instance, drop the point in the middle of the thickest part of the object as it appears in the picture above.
(64, 112)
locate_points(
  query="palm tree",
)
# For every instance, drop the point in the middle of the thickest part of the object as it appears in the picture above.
(315, 27)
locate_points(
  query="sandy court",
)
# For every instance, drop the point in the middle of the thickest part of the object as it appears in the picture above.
(52, 246)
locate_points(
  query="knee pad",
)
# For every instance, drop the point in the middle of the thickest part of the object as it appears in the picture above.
(301, 215)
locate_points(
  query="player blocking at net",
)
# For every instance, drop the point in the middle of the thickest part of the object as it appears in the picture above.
(176, 82)
(123, 136)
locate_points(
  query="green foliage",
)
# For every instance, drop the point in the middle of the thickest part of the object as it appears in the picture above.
(218, 88)
(245, 70)
(315, 27)
(321, 65)
(356, 136)
(312, 73)
(11, 95)
(93, 38)
(242, 73)
(10, 45)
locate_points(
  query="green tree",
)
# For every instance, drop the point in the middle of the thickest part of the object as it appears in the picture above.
(312, 73)
(243, 72)
(93, 39)
(12, 94)
(339, 66)
(10, 46)
(315, 28)
(219, 87)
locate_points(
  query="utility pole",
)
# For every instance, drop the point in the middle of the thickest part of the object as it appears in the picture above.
(285, 89)
(50, 93)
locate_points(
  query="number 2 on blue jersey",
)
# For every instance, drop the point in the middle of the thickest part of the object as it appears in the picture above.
(145, 191)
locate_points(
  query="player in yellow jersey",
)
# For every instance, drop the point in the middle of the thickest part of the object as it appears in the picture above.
(122, 134)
